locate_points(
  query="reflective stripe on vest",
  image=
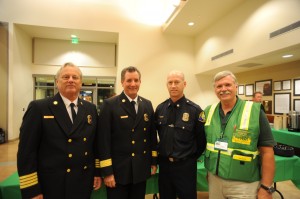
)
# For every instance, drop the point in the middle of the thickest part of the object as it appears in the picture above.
(211, 147)
(210, 114)
(246, 115)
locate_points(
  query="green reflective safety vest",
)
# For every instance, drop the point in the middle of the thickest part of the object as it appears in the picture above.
(241, 160)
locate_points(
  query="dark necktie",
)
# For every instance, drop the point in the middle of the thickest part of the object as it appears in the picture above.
(73, 111)
(133, 105)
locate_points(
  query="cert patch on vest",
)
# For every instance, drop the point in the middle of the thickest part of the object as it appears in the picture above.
(241, 136)
(202, 117)
(185, 117)
(146, 117)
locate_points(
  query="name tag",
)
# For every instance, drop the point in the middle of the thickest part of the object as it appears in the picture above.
(221, 144)
(124, 116)
(48, 117)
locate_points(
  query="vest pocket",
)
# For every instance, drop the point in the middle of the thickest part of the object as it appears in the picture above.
(243, 167)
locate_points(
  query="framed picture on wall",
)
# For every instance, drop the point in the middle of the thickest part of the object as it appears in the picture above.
(264, 86)
(282, 103)
(249, 89)
(241, 90)
(277, 85)
(296, 87)
(286, 84)
(267, 106)
(297, 105)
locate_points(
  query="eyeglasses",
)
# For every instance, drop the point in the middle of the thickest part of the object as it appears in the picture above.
(67, 77)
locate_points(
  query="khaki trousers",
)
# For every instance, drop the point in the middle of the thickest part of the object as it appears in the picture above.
(229, 189)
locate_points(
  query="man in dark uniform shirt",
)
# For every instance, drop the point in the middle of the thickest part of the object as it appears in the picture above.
(57, 147)
(127, 140)
(179, 123)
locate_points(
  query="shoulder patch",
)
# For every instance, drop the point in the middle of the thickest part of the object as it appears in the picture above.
(202, 117)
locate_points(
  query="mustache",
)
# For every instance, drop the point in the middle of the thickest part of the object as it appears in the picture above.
(224, 92)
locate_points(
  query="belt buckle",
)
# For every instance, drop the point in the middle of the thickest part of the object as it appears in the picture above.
(171, 159)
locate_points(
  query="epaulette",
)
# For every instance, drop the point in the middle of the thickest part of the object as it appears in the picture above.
(192, 103)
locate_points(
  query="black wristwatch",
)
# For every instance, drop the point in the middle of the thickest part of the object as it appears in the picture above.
(268, 189)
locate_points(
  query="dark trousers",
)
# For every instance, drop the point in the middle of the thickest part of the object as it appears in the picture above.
(129, 191)
(177, 179)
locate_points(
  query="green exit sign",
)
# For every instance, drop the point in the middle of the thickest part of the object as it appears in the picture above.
(75, 40)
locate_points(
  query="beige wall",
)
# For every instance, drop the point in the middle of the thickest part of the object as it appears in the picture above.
(246, 30)
(154, 52)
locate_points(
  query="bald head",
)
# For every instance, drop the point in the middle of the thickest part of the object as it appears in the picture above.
(176, 73)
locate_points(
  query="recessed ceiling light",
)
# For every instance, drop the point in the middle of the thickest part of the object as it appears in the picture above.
(287, 56)
(191, 23)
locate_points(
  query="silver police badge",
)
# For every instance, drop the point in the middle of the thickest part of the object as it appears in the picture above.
(185, 117)
(146, 117)
(89, 119)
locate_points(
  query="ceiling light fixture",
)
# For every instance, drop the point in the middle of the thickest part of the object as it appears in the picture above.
(191, 23)
(287, 56)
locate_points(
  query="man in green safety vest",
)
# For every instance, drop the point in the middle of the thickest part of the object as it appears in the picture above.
(239, 154)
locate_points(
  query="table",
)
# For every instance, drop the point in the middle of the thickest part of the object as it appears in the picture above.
(287, 137)
(9, 188)
(287, 168)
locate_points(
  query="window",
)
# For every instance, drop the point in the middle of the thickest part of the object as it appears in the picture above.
(94, 89)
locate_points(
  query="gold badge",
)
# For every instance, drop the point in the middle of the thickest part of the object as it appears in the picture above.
(89, 119)
(123, 100)
(146, 118)
(55, 102)
(185, 117)
(202, 117)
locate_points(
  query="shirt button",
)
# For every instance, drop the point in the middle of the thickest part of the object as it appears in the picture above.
(132, 130)
(84, 139)
(69, 140)
(68, 170)
(70, 155)
(144, 152)
(133, 142)
(145, 129)
(85, 153)
(145, 140)
(85, 167)
(132, 154)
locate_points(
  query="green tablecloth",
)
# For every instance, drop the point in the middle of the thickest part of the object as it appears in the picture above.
(287, 168)
(9, 188)
(287, 137)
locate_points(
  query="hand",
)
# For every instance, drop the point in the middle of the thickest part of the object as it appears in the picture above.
(263, 194)
(153, 169)
(109, 181)
(97, 183)
(40, 196)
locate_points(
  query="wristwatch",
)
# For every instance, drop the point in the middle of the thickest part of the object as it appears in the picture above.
(268, 189)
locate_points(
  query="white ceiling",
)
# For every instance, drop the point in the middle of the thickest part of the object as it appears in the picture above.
(198, 11)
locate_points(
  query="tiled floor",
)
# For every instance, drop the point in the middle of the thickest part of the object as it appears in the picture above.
(8, 166)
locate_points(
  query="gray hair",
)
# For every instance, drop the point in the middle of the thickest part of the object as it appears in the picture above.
(68, 64)
(223, 74)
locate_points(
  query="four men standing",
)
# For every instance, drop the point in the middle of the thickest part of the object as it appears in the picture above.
(239, 150)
